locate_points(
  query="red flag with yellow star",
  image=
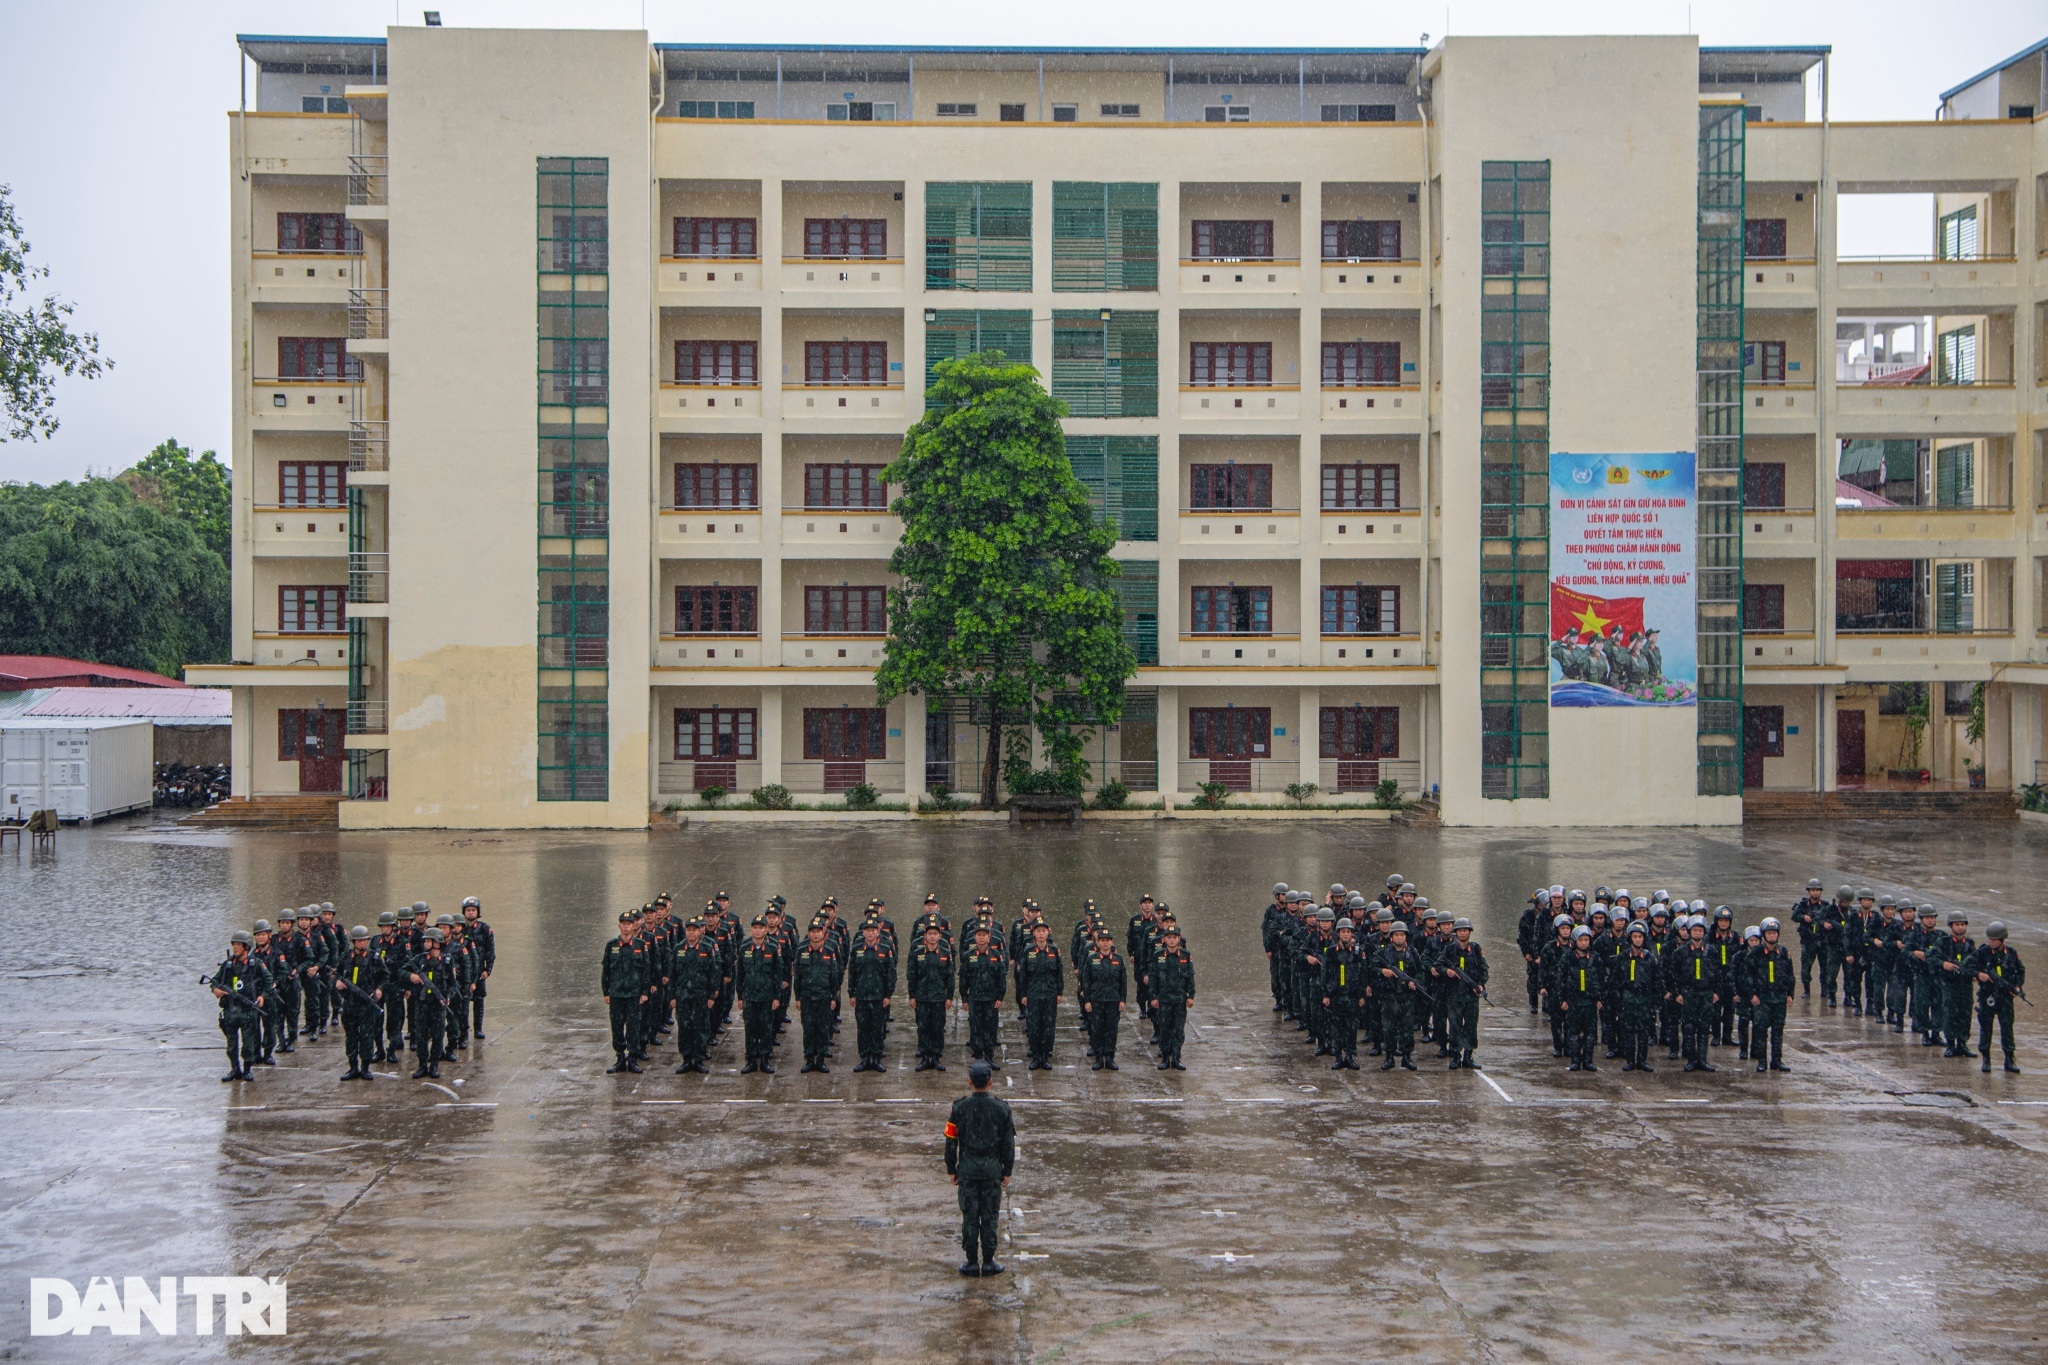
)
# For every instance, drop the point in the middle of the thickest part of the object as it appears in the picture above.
(1574, 613)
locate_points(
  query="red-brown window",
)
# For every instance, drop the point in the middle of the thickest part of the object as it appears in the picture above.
(1763, 606)
(1763, 484)
(309, 733)
(1233, 239)
(846, 732)
(1361, 731)
(314, 609)
(312, 483)
(1232, 611)
(715, 238)
(846, 485)
(846, 239)
(311, 233)
(716, 485)
(846, 362)
(1361, 239)
(1229, 731)
(316, 358)
(1361, 487)
(1361, 364)
(1361, 609)
(846, 611)
(715, 732)
(1763, 362)
(716, 362)
(1226, 487)
(1230, 364)
(715, 611)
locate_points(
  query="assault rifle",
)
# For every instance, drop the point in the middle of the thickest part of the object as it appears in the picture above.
(337, 979)
(1999, 983)
(1476, 987)
(207, 981)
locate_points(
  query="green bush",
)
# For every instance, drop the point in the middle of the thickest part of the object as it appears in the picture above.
(1112, 795)
(773, 796)
(1214, 794)
(1386, 792)
(2034, 796)
(712, 795)
(862, 797)
(1298, 792)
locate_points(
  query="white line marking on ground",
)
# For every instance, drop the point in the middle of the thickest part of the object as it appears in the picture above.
(901, 1099)
(1702, 1100)
(664, 1101)
(467, 1104)
(1412, 1101)
(1496, 1087)
(824, 1101)
(1255, 1099)
(746, 1101)
(436, 1085)
(2023, 1101)
(1168, 1100)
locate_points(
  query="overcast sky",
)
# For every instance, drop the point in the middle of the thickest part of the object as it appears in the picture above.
(115, 142)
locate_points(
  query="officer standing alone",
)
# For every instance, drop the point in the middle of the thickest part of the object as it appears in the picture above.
(981, 1152)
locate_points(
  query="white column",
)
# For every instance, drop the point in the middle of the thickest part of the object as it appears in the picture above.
(1169, 744)
(242, 764)
(1308, 730)
(913, 748)
(769, 735)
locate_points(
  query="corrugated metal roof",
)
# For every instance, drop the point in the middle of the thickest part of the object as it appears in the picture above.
(195, 705)
(70, 722)
(2016, 57)
(33, 668)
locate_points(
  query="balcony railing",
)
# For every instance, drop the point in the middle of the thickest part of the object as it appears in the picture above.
(369, 717)
(369, 576)
(369, 179)
(369, 314)
(369, 445)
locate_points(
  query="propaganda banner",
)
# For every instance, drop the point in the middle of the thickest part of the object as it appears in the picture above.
(1623, 594)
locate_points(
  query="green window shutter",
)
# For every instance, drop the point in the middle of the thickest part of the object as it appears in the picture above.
(1078, 346)
(1959, 356)
(1133, 363)
(1089, 458)
(1955, 477)
(1104, 236)
(1954, 598)
(1959, 234)
(1132, 494)
(977, 236)
(956, 332)
(1138, 591)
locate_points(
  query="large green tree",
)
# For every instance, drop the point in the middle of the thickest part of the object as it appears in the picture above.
(36, 340)
(98, 571)
(1006, 574)
(196, 491)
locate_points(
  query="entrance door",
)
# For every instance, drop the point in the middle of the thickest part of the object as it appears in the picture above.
(1763, 736)
(1849, 746)
(938, 748)
(313, 739)
(1358, 737)
(845, 738)
(1231, 738)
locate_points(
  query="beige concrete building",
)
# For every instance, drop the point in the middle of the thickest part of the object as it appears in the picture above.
(566, 367)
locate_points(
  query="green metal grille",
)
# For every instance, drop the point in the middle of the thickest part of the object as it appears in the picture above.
(573, 627)
(977, 235)
(956, 332)
(1514, 480)
(1121, 474)
(1138, 591)
(1105, 236)
(1106, 366)
(1718, 535)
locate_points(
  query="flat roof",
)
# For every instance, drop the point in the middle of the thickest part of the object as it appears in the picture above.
(1994, 69)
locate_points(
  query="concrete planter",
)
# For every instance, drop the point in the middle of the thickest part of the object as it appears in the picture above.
(1045, 808)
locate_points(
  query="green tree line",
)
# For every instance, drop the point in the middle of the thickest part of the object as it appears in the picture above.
(129, 570)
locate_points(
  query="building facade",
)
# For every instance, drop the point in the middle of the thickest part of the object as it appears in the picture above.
(567, 366)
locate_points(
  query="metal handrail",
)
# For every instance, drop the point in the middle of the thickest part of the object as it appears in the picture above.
(369, 576)
(369, 445)
(369, 314)
(369, 180)
(369, 717)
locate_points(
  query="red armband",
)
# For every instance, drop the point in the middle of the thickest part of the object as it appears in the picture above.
(951, 1131)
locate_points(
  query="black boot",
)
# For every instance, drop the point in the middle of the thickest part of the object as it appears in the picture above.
(2011, 1065)
(1407, 1061)
(1986, 1055)
(1471, 1062)
(1388, 1065)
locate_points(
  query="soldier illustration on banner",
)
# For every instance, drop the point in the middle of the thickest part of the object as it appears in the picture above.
(1622, 589)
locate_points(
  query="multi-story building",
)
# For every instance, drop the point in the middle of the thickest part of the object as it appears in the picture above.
(566, 369)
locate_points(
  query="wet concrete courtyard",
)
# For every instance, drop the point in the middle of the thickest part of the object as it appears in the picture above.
(1878, 1203)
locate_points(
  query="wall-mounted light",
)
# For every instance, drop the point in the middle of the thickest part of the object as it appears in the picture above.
(433, 17)
(931, 315)
(1103, 315)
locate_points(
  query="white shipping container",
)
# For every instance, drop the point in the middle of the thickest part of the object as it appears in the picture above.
(84, 769)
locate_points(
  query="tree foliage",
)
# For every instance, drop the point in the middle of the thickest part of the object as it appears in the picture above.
(36, 340)
(1005, 596)
(196, 492)
(96, 571)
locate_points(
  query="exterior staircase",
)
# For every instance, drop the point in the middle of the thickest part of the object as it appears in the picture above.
(1927, 804)
(296, 811)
